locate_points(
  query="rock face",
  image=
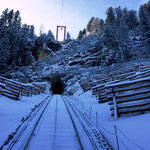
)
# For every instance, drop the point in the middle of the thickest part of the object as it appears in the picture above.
(44, 53)
(89, 58)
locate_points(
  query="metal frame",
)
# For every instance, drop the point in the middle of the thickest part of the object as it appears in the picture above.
(57, 30)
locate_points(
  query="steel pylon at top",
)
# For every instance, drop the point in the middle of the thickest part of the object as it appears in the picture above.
(60, 26)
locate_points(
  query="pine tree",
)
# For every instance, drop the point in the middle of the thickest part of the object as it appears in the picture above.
(118, 13)
(4, 52)
(4, 17)
(10, 17)
(15, 37)
(110, 16)
(68, 38)
(28, 43)
(125, 14)
(88, 28)
(82, 33)
(95, 25)
(50, 35)
(101, 26)
(132, 19)
(144, 14)
(122, 33)
(110, 46)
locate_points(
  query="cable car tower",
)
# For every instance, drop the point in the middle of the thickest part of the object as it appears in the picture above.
(61, 27)
(57, 31)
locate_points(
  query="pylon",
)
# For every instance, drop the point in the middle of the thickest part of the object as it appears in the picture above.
(57, 30)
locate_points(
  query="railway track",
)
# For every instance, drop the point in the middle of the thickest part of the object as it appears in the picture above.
(96, 139)
(60, 126)
(54, 129)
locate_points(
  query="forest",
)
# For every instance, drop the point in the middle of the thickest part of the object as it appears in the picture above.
(19, 45)
(121, 34)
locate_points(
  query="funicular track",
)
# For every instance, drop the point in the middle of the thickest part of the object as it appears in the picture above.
(95, 137)
(55, 129)
(60, 125)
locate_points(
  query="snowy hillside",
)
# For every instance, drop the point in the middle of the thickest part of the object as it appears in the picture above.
(133, 132)
(93, 91)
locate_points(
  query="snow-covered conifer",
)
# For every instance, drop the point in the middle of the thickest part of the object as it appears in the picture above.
(88, 28)
(144, 14)
(68, 37)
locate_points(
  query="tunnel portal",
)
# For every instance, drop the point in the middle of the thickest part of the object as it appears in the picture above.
(57, 86)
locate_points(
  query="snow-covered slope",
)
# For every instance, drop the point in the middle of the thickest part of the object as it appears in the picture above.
(12, 112)
(133, 132)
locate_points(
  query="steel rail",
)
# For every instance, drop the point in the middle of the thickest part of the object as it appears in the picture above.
(75, 128)
(32, 133)
(84, 128)
(25, 126)
(94, 130)
(55, 127)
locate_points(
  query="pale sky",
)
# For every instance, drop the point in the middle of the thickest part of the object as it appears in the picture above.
(76, 13)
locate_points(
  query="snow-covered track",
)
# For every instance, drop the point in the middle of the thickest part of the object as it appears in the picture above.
(58, 124)
(95, 138)
(25, 124)
(32, 133)
(54, 129)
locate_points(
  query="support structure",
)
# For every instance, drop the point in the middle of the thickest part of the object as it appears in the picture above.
(115, 105)
(57, 31)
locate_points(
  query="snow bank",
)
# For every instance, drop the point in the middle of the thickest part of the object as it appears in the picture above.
(11, 113)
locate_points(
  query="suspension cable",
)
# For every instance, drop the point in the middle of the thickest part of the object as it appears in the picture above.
(62, 7)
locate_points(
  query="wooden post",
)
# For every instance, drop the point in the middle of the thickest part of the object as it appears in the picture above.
(97, 95)
(90, 112)
(20, 95)
(97, 119)
(115, 105)
(30, 94)
(116, 137)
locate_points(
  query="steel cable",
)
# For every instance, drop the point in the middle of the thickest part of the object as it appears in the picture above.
(129, 139)
(123, 143)
(114, 133)
(62, 7)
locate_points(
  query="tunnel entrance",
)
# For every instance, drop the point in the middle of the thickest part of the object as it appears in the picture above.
(57, 86)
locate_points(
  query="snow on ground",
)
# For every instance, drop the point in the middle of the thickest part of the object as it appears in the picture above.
(133, 131)
(11, 113)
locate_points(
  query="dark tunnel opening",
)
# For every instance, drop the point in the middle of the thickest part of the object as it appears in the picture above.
(57, 86)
